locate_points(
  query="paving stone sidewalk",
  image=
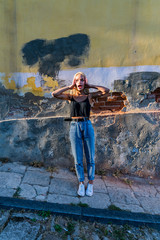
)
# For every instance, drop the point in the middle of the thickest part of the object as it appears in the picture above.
(128, 193)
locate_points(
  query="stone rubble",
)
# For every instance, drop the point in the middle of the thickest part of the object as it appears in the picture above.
(40, 225)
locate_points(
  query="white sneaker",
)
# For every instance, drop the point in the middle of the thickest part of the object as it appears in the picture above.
(81, 190)
(89, 191)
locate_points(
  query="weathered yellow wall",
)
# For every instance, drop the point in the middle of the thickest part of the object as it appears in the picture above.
(123, 55)
(122, 32)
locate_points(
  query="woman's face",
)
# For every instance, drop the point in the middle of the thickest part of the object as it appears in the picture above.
(80, 82)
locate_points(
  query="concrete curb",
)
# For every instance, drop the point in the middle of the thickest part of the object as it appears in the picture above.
(84, 213)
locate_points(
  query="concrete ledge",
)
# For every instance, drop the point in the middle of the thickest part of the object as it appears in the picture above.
(89, 214)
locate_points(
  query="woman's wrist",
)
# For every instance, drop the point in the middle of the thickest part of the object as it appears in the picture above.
(94, 86)
(70, 87)
(90, 85)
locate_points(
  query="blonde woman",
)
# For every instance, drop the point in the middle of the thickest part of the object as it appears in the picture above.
(81, 129)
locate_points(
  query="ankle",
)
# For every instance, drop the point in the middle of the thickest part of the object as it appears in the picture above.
(90, 181)
(81, 183)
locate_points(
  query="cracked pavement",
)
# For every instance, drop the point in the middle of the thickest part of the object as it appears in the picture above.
(133, 194)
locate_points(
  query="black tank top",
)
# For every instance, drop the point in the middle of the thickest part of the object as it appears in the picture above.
(80, 109)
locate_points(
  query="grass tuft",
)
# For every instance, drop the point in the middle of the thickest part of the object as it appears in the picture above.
(113, 207)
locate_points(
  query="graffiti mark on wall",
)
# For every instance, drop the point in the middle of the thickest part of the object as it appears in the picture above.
(49, 55)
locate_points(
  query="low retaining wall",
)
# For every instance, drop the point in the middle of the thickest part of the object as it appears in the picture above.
(126, 142)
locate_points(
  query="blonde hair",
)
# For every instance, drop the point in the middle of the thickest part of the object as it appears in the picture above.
(74, 90)
(80, 73)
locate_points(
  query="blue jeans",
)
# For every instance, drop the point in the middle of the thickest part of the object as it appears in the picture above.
(82, 135)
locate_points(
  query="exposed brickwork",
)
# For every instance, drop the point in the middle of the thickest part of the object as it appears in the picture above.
(156, 93)
(111, 102)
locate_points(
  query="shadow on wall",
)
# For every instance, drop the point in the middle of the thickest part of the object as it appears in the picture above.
(49, 54)
(130, 145)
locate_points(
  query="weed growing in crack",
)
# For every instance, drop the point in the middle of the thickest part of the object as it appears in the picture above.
(82, 204)
(17, 193)
(113, 207)
(58, 228)
(44, 214)
(37, 164)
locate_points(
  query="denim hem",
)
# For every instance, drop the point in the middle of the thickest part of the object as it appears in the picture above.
(91, 179)
(81, 180)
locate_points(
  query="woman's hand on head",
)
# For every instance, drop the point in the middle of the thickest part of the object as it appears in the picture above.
(87, 85)
(73, 84)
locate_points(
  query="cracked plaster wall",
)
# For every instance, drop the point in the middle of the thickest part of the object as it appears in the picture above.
(114, 47)
(128, 143)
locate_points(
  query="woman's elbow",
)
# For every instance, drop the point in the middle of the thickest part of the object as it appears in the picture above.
(54, 94)
(107, 90)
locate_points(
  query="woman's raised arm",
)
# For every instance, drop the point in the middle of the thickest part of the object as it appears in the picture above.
(59, 93)
(101, 90)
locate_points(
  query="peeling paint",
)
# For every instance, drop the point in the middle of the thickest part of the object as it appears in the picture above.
(50, 83)
(8, 82)
(22, 83)
(31, 87)
(44, 85)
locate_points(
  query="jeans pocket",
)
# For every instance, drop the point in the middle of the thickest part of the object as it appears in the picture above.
(73, 124)
(73, 127)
